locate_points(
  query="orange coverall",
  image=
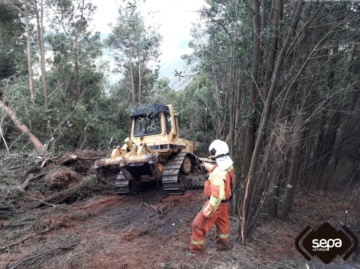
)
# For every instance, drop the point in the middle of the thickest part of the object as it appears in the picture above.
(215, 210)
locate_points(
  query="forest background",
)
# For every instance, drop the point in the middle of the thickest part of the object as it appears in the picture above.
(278, 80)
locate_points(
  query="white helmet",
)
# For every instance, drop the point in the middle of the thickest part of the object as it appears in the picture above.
(219, 150)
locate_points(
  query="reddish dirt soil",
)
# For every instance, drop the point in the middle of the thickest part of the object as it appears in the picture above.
(152, 230)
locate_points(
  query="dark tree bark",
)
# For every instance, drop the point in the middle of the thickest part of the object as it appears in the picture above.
(251, 128)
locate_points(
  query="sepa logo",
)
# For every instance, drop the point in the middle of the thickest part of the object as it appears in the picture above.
(326, 243)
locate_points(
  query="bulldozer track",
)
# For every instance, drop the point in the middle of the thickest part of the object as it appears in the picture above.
(173, 180)
(122, 184)
(170, 177)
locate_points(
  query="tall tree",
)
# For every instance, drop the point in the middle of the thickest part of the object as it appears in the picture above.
(39, 6)
(254, 87)
(134, 46)
(73, 41)
(29, 53)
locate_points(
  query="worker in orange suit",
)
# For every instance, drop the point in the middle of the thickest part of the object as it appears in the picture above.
(218, 189)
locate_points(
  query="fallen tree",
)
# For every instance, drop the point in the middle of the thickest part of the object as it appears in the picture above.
(39, 147)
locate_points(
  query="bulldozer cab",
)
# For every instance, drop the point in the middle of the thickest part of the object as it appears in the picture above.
(154, 120)
(147, 125)
(157, 126)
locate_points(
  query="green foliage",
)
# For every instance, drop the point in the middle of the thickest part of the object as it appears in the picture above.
(196, 99)
(12, 43)
(134, 46)
(162, 93)
(72, 124)
(68, 124)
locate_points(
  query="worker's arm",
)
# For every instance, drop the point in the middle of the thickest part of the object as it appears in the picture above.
(207, 166)
(217, 193)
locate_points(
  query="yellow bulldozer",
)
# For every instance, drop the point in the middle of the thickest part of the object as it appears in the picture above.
(154, 152)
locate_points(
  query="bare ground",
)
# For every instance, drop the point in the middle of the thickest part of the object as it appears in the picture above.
(91, 227)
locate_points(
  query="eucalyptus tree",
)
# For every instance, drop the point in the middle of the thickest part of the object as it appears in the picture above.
(74, 43)
(294, 84)
(73, 80)
(39, 11)
(29, 52)
(222, 54)
(298, 98)
(135, 47)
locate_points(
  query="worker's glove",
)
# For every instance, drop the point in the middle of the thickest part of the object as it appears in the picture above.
(208, 210)
(203, 167)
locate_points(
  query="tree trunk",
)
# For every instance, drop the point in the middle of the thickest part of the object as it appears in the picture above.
(296, 141)
(235, 134)
(273, 46)
(328, 132)
(40, 23)
(300, 121)
(39, 147)
(262, 128)
(250, 132)
(293, 175)
(355, 97)
(29, 54)
(78, 28)
(133, 101)
(77, 72)
(263, 16)
(139, 99)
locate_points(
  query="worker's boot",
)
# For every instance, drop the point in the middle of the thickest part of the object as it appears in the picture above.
(221, 247)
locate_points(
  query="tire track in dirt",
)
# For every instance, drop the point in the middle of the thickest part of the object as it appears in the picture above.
(140, 231)
(152, 210)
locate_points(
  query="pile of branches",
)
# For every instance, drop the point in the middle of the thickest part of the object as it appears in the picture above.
(43, 181)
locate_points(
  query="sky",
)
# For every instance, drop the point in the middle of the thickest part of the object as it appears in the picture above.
(173, 18)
